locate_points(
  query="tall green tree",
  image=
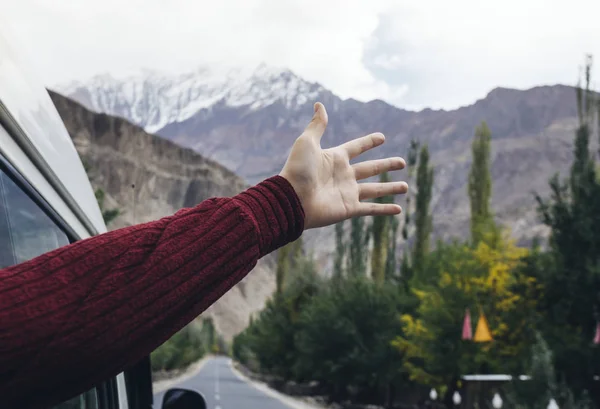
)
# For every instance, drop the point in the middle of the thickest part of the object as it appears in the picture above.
(480, 183)
(391, 260)
(340, 251)
(380, 231)
(423, 218)
(271, 337)
(297, 250)
(411, 164)
(283, 265)
(209, 328)
(359, 241)
(288, 257)
(571, 296)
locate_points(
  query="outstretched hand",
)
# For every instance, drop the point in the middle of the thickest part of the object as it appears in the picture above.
(326, 182)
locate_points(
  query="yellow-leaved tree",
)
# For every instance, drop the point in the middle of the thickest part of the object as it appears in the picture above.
(484, 279)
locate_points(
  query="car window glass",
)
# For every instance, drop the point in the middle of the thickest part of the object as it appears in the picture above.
(26, 232)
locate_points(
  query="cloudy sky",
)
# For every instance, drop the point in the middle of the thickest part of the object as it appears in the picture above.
(413, 54)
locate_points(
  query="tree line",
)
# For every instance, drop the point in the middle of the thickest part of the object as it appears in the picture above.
(187, 346)
(385, 327)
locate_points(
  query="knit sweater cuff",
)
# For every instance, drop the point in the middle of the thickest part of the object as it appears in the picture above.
(276, 210)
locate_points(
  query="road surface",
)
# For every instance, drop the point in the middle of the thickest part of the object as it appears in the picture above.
(223, 389)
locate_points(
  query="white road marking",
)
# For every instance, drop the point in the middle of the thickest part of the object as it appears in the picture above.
(217, 407)
(217, 397)
(217, 378)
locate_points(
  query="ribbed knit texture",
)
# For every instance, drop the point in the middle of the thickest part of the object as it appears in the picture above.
(78, 315)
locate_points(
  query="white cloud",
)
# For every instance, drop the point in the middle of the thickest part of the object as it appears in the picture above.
(322, 41)
(411, 53)
(389, 61)
(452, 53)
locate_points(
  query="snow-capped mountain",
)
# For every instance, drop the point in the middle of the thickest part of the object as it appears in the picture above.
(154, 99)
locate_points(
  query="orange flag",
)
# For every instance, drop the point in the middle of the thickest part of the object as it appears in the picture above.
(482, 332)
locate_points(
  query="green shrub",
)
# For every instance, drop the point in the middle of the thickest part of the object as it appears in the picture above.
(344, 338)
(181, 350)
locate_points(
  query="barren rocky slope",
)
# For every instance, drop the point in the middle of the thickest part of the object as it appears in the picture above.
(166, 178)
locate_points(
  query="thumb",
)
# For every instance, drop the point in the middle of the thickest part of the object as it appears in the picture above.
(317, 125)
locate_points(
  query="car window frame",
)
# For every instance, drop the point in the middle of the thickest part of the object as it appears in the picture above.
(107, 391)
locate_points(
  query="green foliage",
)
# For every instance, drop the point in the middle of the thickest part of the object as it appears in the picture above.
(107, 214)
(480, 183)
(240, 348)
(288, 257)
(345, 334)
(381, 231)
(208, 335)
(475, 278)
(297, 249)
(365, 339)
(188, 345)
(570, 302)
(283, 266)
(110, 215)
(337, 332)
(340, 251)
(391, 260)
(181, 350)
(359, 240)
(411, 163)
(423, 218)
(270, 339)
(543, 385)
(537, 392)
(86, 166)
(406, 272)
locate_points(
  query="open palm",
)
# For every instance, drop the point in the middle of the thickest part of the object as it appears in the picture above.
(326, 182)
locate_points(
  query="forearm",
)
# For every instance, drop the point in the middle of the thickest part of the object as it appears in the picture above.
(73, 317)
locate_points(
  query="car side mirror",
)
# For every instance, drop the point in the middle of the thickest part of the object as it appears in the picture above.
(183, 399)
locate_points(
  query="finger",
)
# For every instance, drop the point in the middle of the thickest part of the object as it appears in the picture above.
(370, 168)
(317, 125)
(373, 190)
(377, 209)
(361, 145)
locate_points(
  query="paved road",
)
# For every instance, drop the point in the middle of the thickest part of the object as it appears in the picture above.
(222, 389)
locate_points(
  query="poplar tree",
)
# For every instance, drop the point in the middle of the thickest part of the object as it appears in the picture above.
(480, 184)
(423, 218)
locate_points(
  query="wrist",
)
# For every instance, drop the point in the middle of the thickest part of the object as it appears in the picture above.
(301, 193)
(276, 211)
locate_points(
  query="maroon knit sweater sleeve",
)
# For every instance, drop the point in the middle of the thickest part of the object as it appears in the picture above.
(76, 316)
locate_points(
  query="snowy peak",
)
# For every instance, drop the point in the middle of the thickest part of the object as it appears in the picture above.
(154, 99)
